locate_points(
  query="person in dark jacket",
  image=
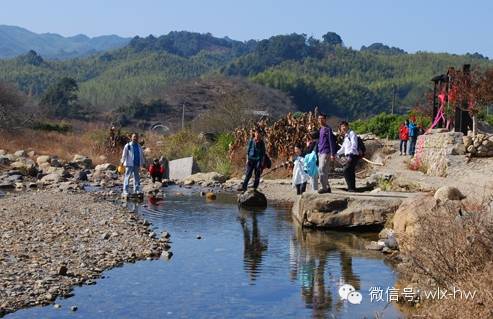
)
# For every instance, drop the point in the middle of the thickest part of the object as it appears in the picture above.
(254, 161)
(327, 151)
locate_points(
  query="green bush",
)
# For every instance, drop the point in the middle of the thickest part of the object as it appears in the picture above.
(383, 125)
(208, 156)
(386, 125)
(61, 127)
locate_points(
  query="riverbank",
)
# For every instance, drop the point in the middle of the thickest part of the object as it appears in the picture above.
(52, 241)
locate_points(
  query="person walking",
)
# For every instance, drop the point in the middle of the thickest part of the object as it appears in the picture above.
(132, 159)
(310, 155)
(413, 136)
(350, 150)
(327, 151)
(403, 137)
(254, 162)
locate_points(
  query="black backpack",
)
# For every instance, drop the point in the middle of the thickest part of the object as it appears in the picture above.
(361, 147)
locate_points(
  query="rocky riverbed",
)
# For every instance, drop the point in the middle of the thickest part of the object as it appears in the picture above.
(51, 241)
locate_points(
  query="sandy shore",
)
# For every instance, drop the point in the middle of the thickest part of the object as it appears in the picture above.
(51, 241)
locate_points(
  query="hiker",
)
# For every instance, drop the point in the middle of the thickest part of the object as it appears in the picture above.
(156, 170)
(310, 155)
(403, 137)
(327, 151)
(300, 177)
(413, 136)
(132, 159)
(350, 150)
(254, 161)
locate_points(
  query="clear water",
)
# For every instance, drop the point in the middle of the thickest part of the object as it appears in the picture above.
(247, 265)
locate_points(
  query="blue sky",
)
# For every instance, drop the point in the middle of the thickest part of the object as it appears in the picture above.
(435, 25)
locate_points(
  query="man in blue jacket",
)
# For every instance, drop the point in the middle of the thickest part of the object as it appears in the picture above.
(327, 151)
(413, 136)
(254, 161)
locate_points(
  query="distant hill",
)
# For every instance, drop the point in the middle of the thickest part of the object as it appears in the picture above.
(15, 41)
(310, 72)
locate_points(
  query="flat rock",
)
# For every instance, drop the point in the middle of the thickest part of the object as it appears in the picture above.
(346, 210)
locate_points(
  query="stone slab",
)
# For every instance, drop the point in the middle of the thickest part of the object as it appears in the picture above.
(181, 168)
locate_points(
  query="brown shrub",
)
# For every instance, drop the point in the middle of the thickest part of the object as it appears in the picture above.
(454, 248)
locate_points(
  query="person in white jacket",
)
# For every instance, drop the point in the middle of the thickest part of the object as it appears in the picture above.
(300, 177)
(350, 150)
(132, 159)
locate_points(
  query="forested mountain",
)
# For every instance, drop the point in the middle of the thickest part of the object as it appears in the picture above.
(341, 81)
(15, 41)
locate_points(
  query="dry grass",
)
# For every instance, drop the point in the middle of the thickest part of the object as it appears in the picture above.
(454, 248)
(63, 145)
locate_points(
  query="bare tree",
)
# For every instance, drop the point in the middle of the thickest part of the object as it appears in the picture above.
(15, 109)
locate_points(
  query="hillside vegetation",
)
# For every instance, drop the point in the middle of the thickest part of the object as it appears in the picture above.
(342, 81)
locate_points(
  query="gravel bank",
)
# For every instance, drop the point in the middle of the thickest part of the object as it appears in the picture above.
(51, 241)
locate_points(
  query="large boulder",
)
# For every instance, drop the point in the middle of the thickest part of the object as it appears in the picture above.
(252, 198)
(82, 161)
(338, 211)
(445, 193)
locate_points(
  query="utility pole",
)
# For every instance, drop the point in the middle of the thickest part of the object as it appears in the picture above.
(393, 98)
(183, 117)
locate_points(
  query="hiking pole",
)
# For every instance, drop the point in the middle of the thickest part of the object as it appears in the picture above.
(285, 164)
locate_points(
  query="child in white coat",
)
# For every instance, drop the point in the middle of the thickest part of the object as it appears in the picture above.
(300, 177)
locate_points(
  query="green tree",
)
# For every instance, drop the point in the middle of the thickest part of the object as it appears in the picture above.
(61, 99)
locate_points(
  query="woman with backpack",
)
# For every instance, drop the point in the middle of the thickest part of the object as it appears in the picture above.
(403, 137)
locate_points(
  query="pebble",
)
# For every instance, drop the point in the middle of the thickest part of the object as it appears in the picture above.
(54, 242)
(73, 308)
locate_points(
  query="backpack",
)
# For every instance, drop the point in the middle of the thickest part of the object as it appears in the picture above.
(266, 162)
(361, 147)
(310, 164)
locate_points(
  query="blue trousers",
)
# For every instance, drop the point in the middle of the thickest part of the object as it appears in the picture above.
(131, 171)
(412, 145)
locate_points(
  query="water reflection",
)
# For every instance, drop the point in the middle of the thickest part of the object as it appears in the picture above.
(254, 245)
(312, 255)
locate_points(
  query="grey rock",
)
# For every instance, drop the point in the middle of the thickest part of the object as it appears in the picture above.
(339, 211)
(252, 198)
(373, 246)
(445, 193)
(43, 159)
(391, 243)
(385, 233)
(20, 153)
